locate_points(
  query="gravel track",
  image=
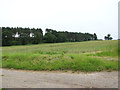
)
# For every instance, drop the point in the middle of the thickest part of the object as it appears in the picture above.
(57, 79)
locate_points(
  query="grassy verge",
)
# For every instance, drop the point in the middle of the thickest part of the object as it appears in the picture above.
(62, 56)
(58, 62)
(3, 89)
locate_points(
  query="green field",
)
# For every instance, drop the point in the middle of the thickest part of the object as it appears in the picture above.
(75, 56)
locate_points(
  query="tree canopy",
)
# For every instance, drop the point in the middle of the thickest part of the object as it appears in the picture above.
(108, 37)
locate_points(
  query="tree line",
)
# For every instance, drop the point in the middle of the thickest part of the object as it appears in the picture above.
(23, 36)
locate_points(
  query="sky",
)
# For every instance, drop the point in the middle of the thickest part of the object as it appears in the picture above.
(86, 16)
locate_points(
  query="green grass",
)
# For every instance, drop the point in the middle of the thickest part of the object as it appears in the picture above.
(3, 89)
(75, 56)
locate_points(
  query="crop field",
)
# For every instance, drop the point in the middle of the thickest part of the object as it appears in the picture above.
(85, 56)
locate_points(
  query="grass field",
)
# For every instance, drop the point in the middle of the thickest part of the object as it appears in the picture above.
(76, 56)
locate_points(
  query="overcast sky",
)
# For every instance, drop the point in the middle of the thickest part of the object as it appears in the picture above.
(92, 16)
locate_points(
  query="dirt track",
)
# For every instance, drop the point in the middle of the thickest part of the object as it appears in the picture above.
(41, 79)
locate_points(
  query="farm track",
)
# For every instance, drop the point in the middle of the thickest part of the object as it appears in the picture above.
(106, 58)
(58, 79)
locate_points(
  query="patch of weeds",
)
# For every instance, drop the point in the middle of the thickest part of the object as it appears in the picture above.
(2, 75)
(64, 51)
(110, 70)
(62, 54)
(5, 57)
(40, 52)
(51, 53)
(72, 57)
(83, 51)
(73, 71)
(65, 71)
